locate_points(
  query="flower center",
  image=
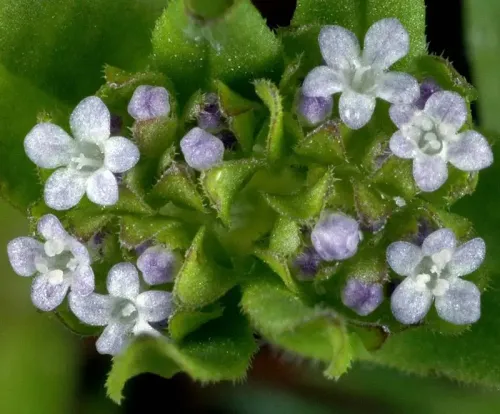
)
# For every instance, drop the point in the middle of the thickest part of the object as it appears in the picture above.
(429, 136)
(125, 311)
(56, 262)
(88, 158)
(432, 273)
(362, 79)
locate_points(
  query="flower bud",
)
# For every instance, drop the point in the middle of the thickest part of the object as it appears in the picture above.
(202, 150)
(149, 102)
(427, 88)
(308, 263)
(363, 298)
(210, 117)
(228, 139)
(314, 110)
(158, 265)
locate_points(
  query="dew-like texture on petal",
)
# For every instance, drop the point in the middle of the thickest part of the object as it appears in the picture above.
(409, 304)
(50, 227)
(21, 253)
(64, 189)
(385, 43)
(461, 304)
(429, 172)
(439, 240)
(142, 327)
(468, 257)
(402, 114)
(149, 102)
(401, 146)
(102, 188)
(123, 281)
(93, 309)
(49, 146)
(322, 81)
(339, 47)
(448, 108)
(78, 250)
(403, 257)
(47, 296)
(363, 298)
(336, 237)
(314, 109)
(83, 283)
(114, 338)
(91, 121)
(154, 305)
(398, 88)
(356, 109)
(157, 265)
(201, 149)
(120, 154)
(471, 152)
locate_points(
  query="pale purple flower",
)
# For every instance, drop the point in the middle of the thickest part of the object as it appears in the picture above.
(158, 265)
(201, 149)
(313, 110)
(149, 102)
(362, 297)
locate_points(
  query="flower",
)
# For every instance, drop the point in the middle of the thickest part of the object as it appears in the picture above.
(61, 263)
(430, 137)
(149, 102)
(433, 272)
(427, 88)
(201, 149)
(88, 161)
(362, 77)
(363, 298)
(158, 265)
(126, 312)
(210, 116)
(336, 237)
(313, 110)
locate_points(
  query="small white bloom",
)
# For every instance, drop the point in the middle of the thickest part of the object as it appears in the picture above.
(149, 102)
(201, 149)
(59, 264)
(362, 76)
(88, 161)
(433, 272)
(430, 137)
(126, 312)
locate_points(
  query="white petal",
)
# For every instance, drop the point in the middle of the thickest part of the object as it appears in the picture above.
(385, 43)
(22, 252)
(429, 172)
(142, 327)
(83, 281)
(402, 114)
(468, 257)
(91, 120)
(439, 240)
(401, 146)
(123, 281)
(409, 304)
(93, 309)
(448, 108)
(461, 304)
(356, 109)
(49, 146)
(47, 296)
(51, 228)
(339, 47)
(403, 257)
(114, 339)
(398, 88)
(471, 152)
(64, 189)
(120, 154)
(79, 250)
(102, 188)
(322, 82)
(154, 305)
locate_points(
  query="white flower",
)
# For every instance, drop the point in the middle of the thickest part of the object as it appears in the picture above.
(88, 161)
(433, 272)
(126, 312)
(149, 102)
(60, 263)
(201, 149)
(362, 76)
(430, 137)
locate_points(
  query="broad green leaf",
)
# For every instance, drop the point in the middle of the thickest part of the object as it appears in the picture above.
(372, 209)
(208, 10)
(183, 322)
(278, 265)
(395, 177)
(155, 136)
(323, 145)
(285, 238)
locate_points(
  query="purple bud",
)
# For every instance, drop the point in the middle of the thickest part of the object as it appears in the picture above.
(202, 150)
(158, 265)
(116, 125)
(363, 298)
(314, 110)
(149, 102)
(210, 117)
(308, 263)
(143, 247)
(427, 88)
(336, 237)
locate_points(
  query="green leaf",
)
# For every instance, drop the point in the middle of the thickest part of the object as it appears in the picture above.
(184, 322)
(279, 266)
(285, 238)
(323, 145)
(203, 10)
(372, 209)
(155, 136)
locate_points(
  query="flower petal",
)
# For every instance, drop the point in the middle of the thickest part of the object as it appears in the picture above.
(398, 88)
(120, 154)
(49, 146)
(356, 109)
(154, 305)
(114, 338)
(201, 149)
(157, 265)
(78, 250)
(401, 146)
(386, 42)
(461, 304)
(91, 121)
(83, 283)
(403, 257)
(439, 240)
(468, 257)
(22, 252)
(409, 304)
(102, 188)
(64, 189)
(51, 228)
(339, 47)
(448, 108)
(471, 152)
(47, 296)
(429, 172)
(149, 102)
(93, 309)
(322, 82)
(123, 281)
(402, 114)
